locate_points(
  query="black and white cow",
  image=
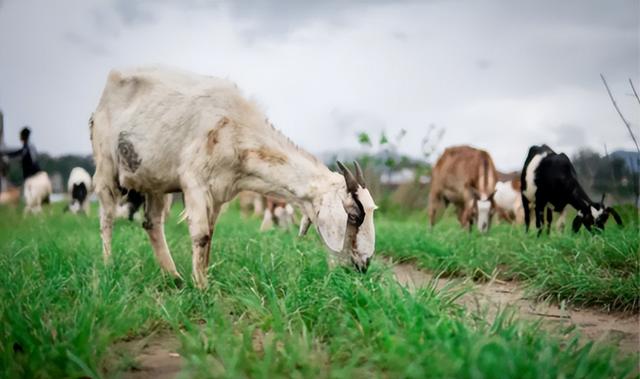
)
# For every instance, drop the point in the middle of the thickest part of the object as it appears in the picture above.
(549, 180)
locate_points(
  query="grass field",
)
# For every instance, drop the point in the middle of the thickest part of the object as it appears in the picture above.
(63, 313)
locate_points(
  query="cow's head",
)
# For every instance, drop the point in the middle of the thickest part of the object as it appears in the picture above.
(483, 209)
(596, 216)
(345, 219)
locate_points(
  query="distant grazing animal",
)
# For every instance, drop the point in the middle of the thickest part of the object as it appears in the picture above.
(130, 202)
(251, 203)
(550, 180)
(37, 190)
(465, 177)
(79, 189)
(158, 131)
(508, 201)
(10, 196)
(277, 212)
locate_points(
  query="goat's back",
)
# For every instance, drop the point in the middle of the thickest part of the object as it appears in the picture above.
(460, 167)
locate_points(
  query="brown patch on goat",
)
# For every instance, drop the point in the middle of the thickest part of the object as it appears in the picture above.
(212, 135)
(515, 184)
(266, 155)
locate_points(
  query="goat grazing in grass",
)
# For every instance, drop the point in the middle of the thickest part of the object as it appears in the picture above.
(79, 189)
(550, 180)
(158, 131)
(37, 191)
(466, 177)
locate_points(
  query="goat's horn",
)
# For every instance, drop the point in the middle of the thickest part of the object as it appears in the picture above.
(359, 175)
(352, 184)
(603, 195)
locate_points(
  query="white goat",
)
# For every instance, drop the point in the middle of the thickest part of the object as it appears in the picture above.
(37, 189)
(79, 189)
(508, 201)
(158, 131)
(277, 212)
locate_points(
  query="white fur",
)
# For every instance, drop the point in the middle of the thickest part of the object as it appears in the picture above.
(509, 200)
(200, 135)
(530, 192)
(596, 212)
(484, 215)
(36, 189)
(79, 175)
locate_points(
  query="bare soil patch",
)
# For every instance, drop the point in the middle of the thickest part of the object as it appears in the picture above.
(614, 328)
(154, 356)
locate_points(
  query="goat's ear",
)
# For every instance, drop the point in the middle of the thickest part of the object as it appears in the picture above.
(305, 222)
(490, 198)
(577, 223)
(332, 221)
(615, 215)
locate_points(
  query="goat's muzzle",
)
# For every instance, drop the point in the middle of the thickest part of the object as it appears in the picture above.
(361, 266)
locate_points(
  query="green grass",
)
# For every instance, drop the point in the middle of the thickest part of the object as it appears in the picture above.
(63, 312)
(601, 269)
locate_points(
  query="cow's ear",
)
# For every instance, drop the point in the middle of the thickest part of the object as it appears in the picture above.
(577, 223)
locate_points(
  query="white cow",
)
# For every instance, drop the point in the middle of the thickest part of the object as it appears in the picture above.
(158, 130)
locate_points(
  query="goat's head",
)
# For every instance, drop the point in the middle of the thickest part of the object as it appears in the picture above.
(345, 220)
(483, 210)
(597, 216)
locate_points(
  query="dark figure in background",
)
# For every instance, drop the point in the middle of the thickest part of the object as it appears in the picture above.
(28, 154)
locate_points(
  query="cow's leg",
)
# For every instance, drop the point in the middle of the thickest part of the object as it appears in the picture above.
(107, 197)
(202, 215)
(549, 219)
(539, 217)
(154, 217)
(527, 213)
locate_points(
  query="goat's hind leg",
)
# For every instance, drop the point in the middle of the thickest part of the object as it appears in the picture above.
(539, 218)
(155, 213)
(549, 219)
(202, 215)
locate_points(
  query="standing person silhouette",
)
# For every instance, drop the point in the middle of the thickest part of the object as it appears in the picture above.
(28, 153)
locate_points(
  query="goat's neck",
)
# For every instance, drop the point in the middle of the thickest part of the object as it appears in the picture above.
(580, 200)
(293, 174)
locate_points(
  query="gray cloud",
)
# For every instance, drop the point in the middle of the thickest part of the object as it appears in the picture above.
(499, 75)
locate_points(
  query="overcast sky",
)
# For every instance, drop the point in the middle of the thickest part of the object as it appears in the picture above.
(500, 75)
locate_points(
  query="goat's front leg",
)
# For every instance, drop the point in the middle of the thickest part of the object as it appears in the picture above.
(106, 196)
(155, 213)
(202, 214)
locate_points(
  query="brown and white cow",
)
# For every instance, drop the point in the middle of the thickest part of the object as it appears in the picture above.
(465, 177)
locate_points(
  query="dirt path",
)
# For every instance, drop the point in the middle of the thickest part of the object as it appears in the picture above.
(156, 356)
(622, 330)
